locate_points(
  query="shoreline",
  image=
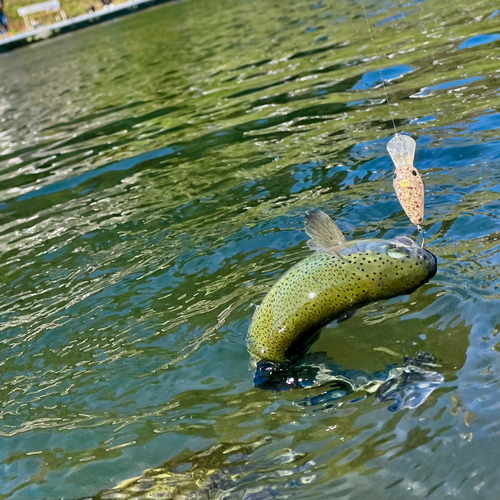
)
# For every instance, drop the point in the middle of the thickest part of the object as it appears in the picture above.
(78, 22)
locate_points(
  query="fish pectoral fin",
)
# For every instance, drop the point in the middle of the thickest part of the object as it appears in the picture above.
(325, 234)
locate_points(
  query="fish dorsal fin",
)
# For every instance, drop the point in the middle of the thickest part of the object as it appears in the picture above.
(324, 233)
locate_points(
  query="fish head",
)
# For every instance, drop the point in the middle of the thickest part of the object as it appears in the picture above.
(387, 268)
(415, 260)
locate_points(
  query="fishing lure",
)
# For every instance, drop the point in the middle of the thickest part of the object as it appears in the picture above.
(408, 184)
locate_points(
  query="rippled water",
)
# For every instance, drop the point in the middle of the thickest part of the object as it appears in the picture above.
(154, 173)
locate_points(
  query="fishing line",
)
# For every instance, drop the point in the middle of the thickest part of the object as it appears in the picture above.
(375, 55)
(391, 115)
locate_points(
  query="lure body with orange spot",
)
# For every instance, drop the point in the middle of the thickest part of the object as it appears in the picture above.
(407, 183)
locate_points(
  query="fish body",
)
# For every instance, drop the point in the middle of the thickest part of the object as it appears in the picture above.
(331, 283)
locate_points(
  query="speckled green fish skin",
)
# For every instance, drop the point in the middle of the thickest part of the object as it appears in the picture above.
(324, 287)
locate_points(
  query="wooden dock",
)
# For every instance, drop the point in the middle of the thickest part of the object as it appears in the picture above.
(75, 23)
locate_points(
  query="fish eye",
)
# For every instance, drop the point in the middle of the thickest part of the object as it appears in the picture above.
(397, 253)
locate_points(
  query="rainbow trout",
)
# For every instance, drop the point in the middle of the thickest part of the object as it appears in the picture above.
(338, 278)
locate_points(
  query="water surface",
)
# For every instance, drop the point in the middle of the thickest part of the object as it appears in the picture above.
(154, 173)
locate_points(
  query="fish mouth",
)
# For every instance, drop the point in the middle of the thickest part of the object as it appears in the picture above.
(431, 261)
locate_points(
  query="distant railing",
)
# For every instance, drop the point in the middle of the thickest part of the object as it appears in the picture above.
(36, 8)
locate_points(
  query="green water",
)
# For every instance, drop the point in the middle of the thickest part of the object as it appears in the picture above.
(154, 173)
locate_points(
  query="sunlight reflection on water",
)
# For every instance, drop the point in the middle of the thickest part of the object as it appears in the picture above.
(154, 173)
